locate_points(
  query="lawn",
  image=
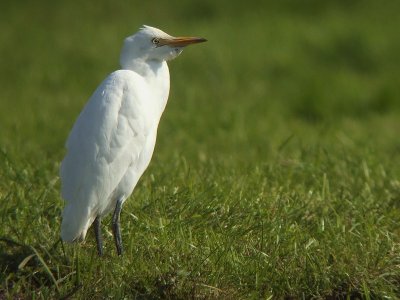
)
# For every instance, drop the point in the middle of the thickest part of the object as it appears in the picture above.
(276, 172)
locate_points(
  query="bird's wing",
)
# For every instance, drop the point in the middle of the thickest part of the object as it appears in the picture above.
(106, 139)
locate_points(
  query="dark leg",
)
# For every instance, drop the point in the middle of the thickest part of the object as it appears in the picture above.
(97, 233)
(115, 226)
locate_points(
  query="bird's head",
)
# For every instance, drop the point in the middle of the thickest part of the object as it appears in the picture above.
(150, 43)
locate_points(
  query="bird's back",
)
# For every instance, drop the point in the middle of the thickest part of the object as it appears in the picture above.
(105, 141)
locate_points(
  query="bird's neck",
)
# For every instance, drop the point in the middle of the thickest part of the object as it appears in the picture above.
(156, 75)
(145, 67)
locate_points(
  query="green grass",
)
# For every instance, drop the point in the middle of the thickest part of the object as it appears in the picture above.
(276, 172)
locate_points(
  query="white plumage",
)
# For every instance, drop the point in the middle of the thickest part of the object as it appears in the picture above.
(113, 139)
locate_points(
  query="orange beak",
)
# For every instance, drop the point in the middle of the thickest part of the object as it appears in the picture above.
(181, 41)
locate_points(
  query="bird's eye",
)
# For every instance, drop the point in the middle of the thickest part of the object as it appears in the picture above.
(155, 41)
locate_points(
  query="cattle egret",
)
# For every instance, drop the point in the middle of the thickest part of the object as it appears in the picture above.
(112, 141)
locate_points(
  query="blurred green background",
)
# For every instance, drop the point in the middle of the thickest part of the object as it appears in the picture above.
(286, 119)
(267, 65)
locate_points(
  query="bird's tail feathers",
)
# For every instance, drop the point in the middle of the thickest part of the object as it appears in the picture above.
(75, 224)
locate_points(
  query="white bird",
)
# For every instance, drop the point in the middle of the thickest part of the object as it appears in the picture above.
(112, 141)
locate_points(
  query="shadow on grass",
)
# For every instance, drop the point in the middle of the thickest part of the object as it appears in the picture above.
(32, 270)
